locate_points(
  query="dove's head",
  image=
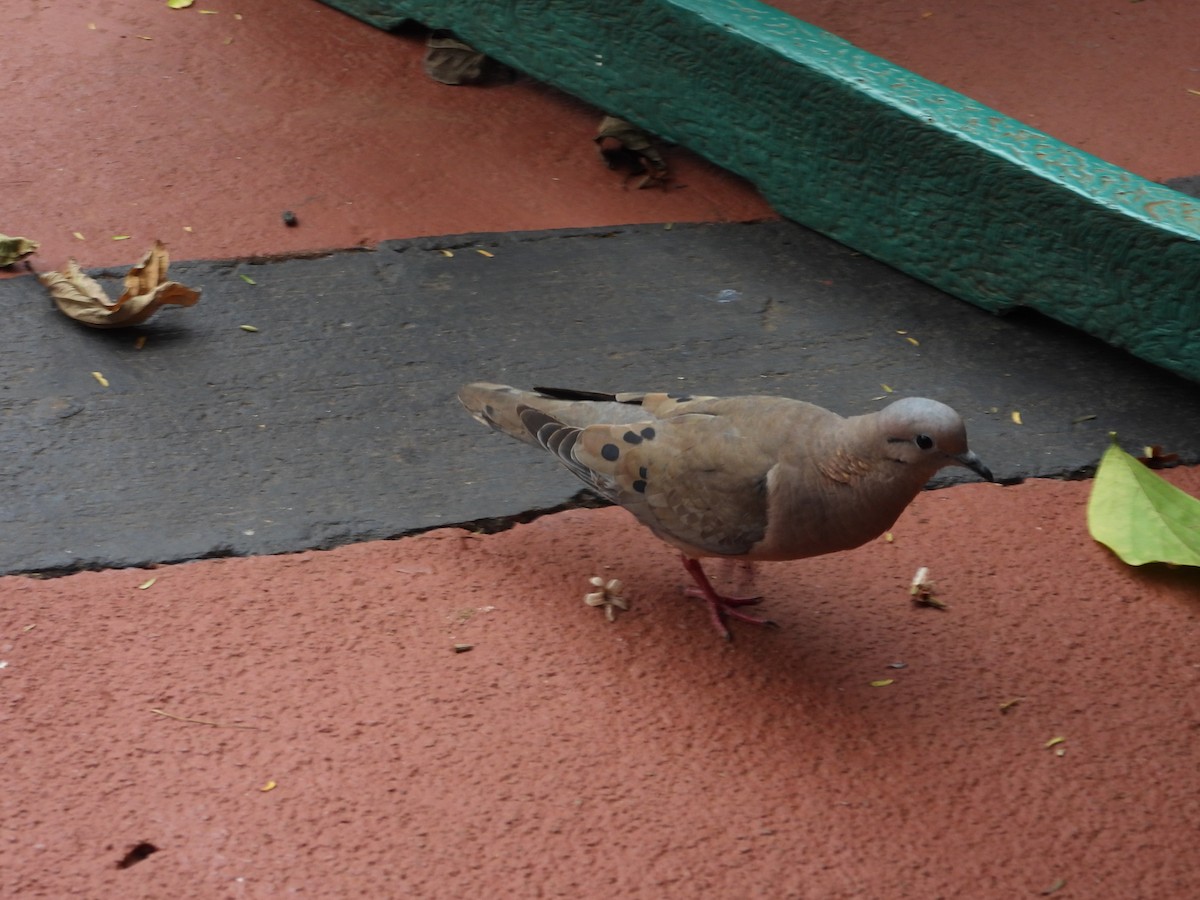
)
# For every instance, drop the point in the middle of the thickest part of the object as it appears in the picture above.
(927, 434)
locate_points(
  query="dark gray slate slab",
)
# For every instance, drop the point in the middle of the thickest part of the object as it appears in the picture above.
(337, 420)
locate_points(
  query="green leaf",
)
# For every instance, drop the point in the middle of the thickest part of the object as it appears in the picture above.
(1141, 517)
(15, 249)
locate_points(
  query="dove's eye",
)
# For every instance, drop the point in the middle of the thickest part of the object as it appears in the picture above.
(923, 441)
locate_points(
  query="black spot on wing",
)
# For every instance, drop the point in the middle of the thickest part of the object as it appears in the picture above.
(611, 452)
(631, 437)
(648, 433)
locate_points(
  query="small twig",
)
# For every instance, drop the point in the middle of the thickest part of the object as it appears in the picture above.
(164, 713)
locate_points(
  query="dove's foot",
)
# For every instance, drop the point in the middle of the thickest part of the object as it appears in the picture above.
(720, 608)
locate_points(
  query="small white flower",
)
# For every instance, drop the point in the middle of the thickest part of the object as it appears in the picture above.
(607, 596)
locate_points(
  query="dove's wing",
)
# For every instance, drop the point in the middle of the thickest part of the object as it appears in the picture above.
(691, 482)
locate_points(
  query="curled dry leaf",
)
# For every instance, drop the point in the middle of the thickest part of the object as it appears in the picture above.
(146, 290)
(625, 146)
(1154, 457)
(15, 249)
(922, 590)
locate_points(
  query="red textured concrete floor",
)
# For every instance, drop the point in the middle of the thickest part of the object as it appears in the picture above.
(564, 756)
(1117, 78)
(157, 120)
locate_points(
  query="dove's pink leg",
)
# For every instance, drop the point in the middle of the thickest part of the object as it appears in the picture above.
(719, 607)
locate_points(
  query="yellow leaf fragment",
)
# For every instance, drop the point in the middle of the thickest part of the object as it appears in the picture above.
(247, 279)
(883, 682)
(485, 253)
(1054, 742)
(888, 537)
(100, 378)
(180, 4)
(887, 388)
(91, 26)
(78, 236)
(121, 237)
(187, 228)
(208, 12)
(1009, 704)
(1016, 417)
(249, 328)
(913, 341)
(269, 786)
(446, 253)
(1193, 91)
(15, 249)
(146, 585)
(81, 298)
(144, 37)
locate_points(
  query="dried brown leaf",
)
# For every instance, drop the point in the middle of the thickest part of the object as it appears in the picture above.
(74, 289)
(1154, 457)
(146, 290)
(148, 274)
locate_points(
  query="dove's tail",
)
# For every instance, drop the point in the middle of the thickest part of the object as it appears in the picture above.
(508, 409)
(499, 407)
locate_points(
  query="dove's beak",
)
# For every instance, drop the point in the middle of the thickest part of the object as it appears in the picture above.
(972, 462)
